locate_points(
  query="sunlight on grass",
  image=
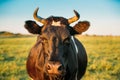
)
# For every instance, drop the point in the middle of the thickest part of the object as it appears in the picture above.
(103, 57)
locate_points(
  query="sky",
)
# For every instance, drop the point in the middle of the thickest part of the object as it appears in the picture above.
(103, 15)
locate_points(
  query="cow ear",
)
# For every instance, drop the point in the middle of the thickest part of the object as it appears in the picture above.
(81, 26)
(32, 27)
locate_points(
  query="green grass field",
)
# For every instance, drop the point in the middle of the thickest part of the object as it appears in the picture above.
(103, 57)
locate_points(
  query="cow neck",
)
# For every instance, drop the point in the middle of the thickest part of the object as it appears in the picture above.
(76, 48)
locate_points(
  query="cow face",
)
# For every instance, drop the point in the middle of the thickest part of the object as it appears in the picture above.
(56, 39)
(54, 36)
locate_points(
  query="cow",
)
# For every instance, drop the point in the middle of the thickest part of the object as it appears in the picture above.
(57, 54)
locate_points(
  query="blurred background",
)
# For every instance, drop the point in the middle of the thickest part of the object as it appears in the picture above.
(101, 40)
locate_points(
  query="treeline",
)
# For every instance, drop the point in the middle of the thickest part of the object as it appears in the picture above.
(94, 35)
(4, 34)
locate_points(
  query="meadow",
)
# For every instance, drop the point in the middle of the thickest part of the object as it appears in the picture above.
(103, 57)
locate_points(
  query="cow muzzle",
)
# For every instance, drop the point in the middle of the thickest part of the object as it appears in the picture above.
(55, 68)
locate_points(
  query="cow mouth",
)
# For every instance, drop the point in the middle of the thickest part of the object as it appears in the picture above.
(56, 77)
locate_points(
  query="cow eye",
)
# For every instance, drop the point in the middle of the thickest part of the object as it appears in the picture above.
(67, 41)
(45, 40)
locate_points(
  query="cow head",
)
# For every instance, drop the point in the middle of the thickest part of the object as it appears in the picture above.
(54, 37)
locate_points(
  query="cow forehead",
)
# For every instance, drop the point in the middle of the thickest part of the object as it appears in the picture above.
(57, 27)
(55, 18)
(58, 32)
(58, 23)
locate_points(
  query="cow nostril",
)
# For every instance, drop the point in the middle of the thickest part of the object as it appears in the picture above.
(48, 67)
(60, 68)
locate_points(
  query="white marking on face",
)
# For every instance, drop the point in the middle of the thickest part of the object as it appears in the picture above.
(56, 23)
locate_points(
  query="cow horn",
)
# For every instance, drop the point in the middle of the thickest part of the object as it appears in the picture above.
(75, 18)
(38, 18)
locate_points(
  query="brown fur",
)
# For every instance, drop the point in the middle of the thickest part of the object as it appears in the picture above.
(54, 45)
(81, 26)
